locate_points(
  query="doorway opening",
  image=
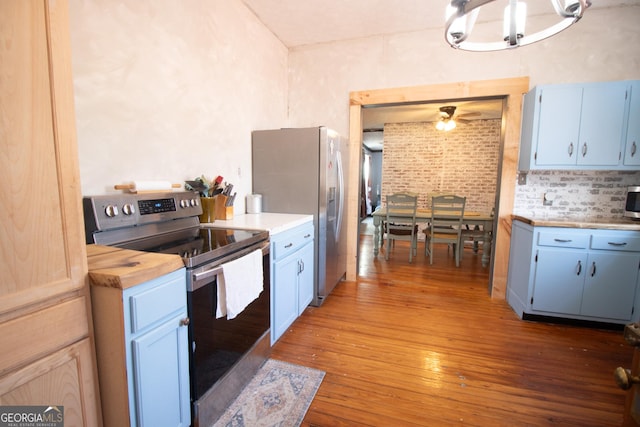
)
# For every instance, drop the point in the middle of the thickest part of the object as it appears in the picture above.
(511, 92)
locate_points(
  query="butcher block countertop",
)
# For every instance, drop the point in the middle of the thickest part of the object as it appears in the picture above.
(123, 268)
(591, 223)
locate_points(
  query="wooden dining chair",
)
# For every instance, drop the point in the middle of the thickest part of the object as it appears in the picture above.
(474, 235)
(400, 222)
(446, 224)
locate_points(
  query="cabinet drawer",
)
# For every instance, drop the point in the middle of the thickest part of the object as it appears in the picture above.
(158, 299)
(616, 242)
(289, 242)
(563, 239)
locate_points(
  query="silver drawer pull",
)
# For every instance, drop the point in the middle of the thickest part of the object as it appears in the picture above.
(306, 236)
(288, 246)
(617, 243)
(563, 240)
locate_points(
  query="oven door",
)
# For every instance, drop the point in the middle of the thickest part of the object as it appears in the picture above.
(217, 345)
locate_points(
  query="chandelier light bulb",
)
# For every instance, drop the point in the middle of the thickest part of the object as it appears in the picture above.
(515, 17)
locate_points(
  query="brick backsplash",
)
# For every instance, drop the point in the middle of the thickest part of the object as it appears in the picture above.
(577, 194)
(418, 158)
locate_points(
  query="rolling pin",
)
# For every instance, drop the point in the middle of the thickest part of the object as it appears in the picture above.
(147, 186)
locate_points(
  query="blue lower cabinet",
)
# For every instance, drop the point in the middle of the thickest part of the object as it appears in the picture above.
(292, 276)
(584, 274)
(144, 364)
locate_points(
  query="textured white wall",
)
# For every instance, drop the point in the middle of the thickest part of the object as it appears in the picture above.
(603, 46)
(171, 89)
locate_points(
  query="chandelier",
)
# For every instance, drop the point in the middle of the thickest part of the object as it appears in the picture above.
(462, 14)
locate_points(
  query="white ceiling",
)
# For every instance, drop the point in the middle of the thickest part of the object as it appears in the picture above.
(306, 22)
(375, 118)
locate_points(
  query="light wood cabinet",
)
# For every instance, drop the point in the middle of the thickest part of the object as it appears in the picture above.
(48, 356)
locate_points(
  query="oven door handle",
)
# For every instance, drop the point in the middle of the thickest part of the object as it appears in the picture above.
(203, 277)
(206, 275)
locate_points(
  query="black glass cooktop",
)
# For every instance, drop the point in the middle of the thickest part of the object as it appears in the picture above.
(199, 245)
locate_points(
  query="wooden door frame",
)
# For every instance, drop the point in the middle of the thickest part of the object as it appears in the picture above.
(511, 91)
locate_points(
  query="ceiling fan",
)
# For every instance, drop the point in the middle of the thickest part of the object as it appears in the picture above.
(446, 121)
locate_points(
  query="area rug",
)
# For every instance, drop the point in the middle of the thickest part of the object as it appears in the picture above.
(279, 394)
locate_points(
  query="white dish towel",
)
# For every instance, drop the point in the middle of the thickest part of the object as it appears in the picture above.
(240, 283)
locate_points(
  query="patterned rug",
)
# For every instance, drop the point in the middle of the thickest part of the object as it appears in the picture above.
(278, 395)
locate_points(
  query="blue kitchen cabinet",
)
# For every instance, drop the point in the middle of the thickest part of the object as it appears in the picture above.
(574, 126)
(585, 274)
(632, 140)
(292, 276)
(305, 279)
(559, 282)
(143, 347)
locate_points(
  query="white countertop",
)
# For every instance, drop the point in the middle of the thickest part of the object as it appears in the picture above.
(274, 223)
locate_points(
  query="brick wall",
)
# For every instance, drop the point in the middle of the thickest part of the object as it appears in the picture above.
(577, 194)
(417, 158)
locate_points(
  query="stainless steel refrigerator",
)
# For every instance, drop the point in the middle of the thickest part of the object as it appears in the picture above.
(302, 171)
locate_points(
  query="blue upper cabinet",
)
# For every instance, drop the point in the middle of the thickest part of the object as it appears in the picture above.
(632, 144)
(576, 126)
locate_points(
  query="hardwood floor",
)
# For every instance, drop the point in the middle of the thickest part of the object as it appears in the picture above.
(424, 345)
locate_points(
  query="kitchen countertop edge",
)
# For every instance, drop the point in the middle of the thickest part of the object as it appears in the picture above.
(274, 223)
(586, 223)
(123, 268)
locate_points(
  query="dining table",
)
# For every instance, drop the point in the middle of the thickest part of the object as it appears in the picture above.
(423, 215)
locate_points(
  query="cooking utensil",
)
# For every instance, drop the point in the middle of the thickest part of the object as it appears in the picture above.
(147, 186)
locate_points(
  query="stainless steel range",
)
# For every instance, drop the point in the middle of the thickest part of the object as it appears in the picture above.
(224, 353)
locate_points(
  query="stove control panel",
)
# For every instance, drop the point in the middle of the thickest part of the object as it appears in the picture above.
(126, 210)
(153, 206)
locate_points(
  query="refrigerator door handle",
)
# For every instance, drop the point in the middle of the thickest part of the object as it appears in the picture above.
(341, 199)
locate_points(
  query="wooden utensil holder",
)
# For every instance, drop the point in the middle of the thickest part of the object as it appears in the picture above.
(223, 212)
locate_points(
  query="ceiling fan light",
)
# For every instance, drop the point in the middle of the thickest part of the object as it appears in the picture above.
(449, 125)
(446, 124)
